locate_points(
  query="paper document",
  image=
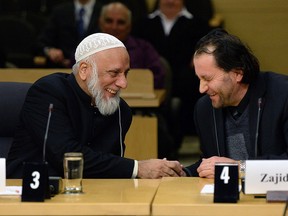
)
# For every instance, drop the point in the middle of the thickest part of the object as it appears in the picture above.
(11, 191)
(209, 189)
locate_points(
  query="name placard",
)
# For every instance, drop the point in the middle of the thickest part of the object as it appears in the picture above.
(264, 175)
(2, 174)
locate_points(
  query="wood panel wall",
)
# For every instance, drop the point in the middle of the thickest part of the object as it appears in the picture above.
(263, 25)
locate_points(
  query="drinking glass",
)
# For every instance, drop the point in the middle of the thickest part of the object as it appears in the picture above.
(73, 171)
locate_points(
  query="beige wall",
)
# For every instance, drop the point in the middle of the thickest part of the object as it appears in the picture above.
(263, 25)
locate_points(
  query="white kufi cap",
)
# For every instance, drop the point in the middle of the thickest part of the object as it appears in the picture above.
(95, 43)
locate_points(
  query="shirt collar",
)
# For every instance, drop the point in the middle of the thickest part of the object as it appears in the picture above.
(184, 12)
(88, 6)
(81, 94)
(238, 110)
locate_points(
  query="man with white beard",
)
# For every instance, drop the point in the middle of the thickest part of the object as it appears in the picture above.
(88, 116)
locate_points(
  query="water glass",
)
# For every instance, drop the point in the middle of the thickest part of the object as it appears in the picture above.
(73, 172)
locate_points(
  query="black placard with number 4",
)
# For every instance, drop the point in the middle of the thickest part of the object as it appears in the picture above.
(35, 184)
(226, 183)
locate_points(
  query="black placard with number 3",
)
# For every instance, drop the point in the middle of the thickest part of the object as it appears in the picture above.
(35, 184)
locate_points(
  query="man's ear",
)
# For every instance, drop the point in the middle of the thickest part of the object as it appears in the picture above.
(83, 71)
(238, 74)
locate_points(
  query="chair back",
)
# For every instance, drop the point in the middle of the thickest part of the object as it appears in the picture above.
(140, 84)
(27, 75)
(12, 96)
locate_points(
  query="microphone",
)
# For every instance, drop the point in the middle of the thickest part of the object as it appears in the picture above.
(46, 132)
(216, 131)
(257, 126)
(120, 134)
(35, 183)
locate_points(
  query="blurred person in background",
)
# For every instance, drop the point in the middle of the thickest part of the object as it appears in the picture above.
(174, 32)
(116, 19)
(68, 24)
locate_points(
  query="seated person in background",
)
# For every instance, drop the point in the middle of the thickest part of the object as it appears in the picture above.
(138, 8)
(174, 31)
(66, 29)
(244, 114)
(200, 8)
(116, 19)
(88, 116)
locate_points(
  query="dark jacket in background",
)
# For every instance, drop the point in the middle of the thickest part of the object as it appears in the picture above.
(61, 31)
(177, 48)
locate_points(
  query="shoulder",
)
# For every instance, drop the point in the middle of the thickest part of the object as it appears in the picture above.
(52, 82)
(273, 87)
(276, 82)
(126, 113)
(125, 107)
(204, 101)
(275, 77)
(203, 106)
(54, 77)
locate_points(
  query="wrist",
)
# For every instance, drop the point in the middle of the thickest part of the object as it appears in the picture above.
(47, 50)
(242, 169)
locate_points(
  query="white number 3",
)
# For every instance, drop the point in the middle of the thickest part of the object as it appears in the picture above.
(225, 175)
(36, 178)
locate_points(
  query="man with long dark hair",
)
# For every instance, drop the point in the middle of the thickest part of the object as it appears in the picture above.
(244, 114)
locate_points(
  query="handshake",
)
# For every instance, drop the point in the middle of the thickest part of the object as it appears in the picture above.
(157, 168)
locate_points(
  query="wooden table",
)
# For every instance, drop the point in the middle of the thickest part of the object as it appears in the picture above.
(169, 196)
(101, 197)
(181, 196)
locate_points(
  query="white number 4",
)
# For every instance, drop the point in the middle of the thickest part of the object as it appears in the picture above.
(225, 175)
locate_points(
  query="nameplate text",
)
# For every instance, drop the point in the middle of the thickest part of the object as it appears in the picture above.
(265, 175)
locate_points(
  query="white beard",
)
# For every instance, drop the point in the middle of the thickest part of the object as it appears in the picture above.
(104, 105)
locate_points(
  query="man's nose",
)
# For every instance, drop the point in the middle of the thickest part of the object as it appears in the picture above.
(203, 87)
(122, 81)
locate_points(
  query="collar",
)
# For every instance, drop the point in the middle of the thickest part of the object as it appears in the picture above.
(81, 94)
(88, 6)
(184, 12)
(236, 111)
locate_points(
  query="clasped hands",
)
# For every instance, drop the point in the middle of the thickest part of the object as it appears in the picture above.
(157, 168)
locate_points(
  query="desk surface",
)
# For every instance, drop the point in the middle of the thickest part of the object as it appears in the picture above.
(101, 197)
(174, 196)
(181, 196)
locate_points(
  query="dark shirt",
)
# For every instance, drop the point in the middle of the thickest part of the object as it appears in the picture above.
(236, 111)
